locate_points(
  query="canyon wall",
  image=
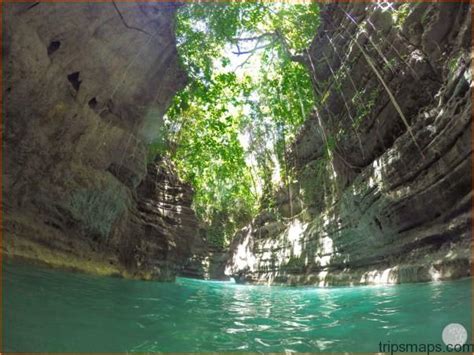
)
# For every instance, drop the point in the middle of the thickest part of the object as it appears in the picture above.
(85, 89)
(384, 161)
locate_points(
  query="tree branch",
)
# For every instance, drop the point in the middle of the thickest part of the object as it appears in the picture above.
(255, 38)
(254, 49)
(245, 61)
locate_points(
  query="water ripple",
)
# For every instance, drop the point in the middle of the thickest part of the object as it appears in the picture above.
(53, 311)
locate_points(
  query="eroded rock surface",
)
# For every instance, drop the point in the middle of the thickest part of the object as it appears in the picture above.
(85, 89)
(384, 203)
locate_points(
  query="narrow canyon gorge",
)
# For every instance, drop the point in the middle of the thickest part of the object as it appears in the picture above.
(86, 86)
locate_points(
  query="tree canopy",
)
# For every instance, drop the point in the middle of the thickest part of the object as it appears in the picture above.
(228, 130)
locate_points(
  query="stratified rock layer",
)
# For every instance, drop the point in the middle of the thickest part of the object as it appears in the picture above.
(85, 89)
(384, 204)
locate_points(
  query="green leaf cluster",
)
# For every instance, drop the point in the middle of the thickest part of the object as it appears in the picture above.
(229, 129)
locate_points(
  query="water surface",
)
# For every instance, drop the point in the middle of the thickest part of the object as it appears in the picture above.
(56, 311)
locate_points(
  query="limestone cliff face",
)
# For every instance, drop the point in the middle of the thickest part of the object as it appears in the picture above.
(85, 89)
(165, 233)
(384, 203)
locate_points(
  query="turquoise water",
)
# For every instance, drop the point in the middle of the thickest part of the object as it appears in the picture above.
(55, 311)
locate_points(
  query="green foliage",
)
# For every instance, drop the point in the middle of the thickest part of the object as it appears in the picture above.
(229, 128)
(400, 14)
(294, 264)
(365, 106)
(315, 176)
(210, 156)
(453, 63)
(391, 64)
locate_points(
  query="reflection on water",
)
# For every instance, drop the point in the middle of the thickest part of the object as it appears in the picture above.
(54, 311)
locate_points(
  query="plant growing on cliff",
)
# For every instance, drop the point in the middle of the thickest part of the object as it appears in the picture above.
(364, 109)
(97, 210)
(400, 15)
(247, 97)
(294, 265)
